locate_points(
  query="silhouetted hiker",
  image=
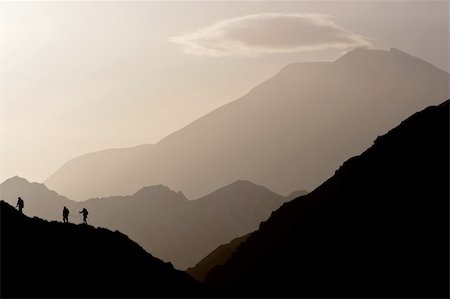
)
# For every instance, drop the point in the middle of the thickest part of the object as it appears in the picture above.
(85, 213)
(65, 214)
(20, 204)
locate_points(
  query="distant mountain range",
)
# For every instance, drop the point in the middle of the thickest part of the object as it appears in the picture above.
(43, 259)
(289, 132)
(377, 228)
(164, 222)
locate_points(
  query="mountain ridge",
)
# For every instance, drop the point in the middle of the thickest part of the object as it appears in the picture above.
(273, 135)
(161, 220)
(348, 237)
(94, 262)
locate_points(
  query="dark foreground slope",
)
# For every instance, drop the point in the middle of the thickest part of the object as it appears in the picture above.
(51, 259)
(216, 258)
(377, 228)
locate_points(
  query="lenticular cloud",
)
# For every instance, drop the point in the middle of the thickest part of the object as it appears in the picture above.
(259, 34)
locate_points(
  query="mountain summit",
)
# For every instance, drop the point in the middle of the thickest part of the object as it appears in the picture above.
(287, 133)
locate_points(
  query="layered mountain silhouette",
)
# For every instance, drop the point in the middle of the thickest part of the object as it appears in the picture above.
(221, 254)
(377, 228)
(216, 258)
(39, 200)
(289, 132)
(164, 222)
(51, 259)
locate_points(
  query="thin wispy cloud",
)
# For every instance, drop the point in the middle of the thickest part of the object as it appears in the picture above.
(259, 34)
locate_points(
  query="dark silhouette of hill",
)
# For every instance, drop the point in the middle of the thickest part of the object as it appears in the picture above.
(216, 258)
(287, 133)
(51, 259)
(378, 228)
(162, 221)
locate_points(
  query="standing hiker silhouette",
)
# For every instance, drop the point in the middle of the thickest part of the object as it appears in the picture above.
(65, 215)
(20, 204)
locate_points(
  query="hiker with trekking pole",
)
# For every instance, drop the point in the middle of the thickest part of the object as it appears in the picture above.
(85, 214)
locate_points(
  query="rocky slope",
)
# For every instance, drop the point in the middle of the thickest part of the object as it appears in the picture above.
(377, 228)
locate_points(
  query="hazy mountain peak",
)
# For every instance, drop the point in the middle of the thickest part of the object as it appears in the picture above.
(366, 52)
(243, 183)
(361, 56)
(239, 188)
(21, 184)
(356, 55)
(392, 58)
(154, 189)
(158, 191)
(16, 179)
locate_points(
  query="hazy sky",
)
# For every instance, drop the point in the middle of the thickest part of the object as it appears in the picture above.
(77, 77)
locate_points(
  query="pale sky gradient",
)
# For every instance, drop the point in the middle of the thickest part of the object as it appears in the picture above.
(77, 77)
